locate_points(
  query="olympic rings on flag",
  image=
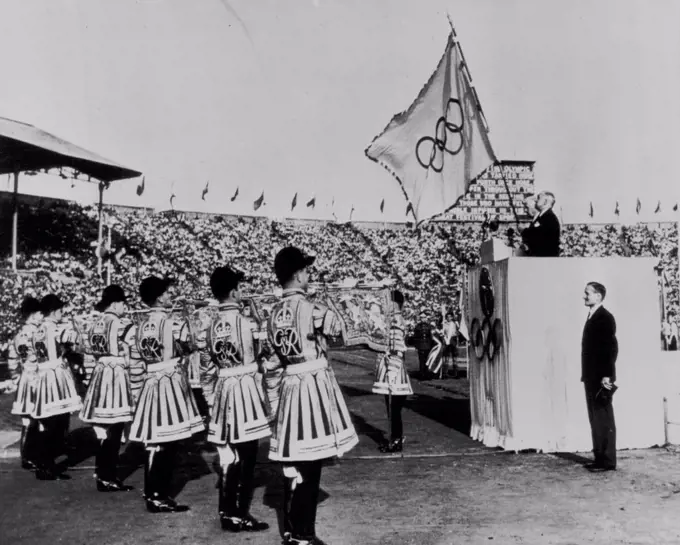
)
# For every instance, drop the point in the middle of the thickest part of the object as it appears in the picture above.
(448, 128)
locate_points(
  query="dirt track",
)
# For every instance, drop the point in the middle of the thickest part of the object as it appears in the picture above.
(446, 489)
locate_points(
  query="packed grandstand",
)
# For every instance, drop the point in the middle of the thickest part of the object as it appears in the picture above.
(57, 253)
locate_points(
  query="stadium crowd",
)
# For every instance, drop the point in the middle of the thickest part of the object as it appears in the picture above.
(57, 244)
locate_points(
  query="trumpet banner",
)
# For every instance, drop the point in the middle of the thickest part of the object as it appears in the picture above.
(364, 314)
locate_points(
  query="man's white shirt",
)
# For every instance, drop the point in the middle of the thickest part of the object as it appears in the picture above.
(593, 309)
(539, 214)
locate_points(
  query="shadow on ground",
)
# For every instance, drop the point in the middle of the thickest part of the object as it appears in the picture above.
(572, 457)
(449, 411)
(361, 425)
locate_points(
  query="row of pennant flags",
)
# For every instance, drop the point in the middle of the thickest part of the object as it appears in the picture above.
(311, 203)
(435, 148)
(638, 208)
(259, 202)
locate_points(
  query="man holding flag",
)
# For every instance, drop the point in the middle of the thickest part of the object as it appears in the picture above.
(542, 237)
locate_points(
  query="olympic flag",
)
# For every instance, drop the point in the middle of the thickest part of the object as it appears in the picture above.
(440, 144)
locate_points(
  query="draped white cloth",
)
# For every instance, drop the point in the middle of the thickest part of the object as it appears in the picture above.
(530, 396)
(490, 380)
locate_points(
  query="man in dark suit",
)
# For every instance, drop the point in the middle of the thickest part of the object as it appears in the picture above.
(599, 350)
(542, 237)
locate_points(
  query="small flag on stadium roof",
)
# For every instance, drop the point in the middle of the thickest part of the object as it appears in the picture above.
(235, 195)
(294, 203)
(311, 202)
(675, 208)
(658, 208)
(382, 206)
(616, 210)
(258, 202)
(172, 198)
(638, 206)
(592, 212)
(205, 191)
(140, 187)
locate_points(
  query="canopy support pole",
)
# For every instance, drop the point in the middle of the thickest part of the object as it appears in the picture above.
(100, 236)
(108, 248)
(15, 220)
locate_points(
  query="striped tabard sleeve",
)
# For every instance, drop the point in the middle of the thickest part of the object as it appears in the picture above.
(124, 337)
(397, 336)
(20, 351)
(14, 362)
(325, 321)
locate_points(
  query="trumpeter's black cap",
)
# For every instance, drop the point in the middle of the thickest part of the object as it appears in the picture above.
(290, 260)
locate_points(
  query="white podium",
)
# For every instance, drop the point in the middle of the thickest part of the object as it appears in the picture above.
(525, 352)
(494, 249)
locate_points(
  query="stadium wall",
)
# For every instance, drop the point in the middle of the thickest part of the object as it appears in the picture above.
(7, 202)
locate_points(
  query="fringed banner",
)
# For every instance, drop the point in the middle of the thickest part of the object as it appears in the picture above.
(364, 314)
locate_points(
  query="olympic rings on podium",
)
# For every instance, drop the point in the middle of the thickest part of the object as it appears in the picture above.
(494, 340)
(477, 338)
(486, 338)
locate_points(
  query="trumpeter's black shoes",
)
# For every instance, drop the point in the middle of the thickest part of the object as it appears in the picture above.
(396, 445)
